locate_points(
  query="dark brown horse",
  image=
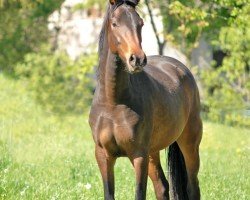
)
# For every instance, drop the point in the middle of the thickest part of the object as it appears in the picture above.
(143, 105)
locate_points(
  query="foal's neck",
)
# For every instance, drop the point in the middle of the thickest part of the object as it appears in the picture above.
(113, 81)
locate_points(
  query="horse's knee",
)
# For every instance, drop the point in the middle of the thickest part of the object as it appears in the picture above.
(162, 193)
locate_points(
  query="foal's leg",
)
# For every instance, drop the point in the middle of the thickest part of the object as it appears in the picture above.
(189, 144)
(106, 165)
(158, 178)
(140, 163)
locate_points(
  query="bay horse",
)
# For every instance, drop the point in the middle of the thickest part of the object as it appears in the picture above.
(143, 105)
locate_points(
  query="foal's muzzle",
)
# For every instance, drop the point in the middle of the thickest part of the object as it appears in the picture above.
(137, 62)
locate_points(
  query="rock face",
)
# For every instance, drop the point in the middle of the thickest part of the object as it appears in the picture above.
(77, 32)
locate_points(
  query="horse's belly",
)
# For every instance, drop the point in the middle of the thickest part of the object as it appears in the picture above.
(161, 139)
(167, 129)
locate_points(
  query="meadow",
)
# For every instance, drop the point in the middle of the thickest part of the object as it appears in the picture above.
(47, 156)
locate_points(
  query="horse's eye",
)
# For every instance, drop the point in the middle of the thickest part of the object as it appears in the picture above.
(114, 24)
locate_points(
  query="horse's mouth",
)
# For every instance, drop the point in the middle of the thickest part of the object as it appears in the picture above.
(138, 70)
(135, 70)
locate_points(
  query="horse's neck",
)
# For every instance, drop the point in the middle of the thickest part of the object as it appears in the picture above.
(112, 80)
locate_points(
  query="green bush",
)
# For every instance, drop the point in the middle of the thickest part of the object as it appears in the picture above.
(227, 87)
(59, 84)
(23, 28)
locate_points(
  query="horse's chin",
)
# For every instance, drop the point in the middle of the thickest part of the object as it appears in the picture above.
(133, 70)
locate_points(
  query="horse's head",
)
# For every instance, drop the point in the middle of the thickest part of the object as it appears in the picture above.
(124, 34)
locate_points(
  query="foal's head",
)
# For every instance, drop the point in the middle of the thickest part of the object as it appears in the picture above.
(124, 34)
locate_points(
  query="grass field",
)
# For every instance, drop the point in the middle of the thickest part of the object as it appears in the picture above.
(43, 156)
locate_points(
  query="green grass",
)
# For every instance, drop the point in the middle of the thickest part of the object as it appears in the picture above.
(44, 156)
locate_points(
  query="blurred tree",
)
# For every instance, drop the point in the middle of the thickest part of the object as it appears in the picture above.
(184, 22)
(225, 25)
(23, 27)
(58, 83)
(87, 4)
(227, 87)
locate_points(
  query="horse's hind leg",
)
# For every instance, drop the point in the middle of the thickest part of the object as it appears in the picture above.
(106, 166)
(189, 143)
(157, 176)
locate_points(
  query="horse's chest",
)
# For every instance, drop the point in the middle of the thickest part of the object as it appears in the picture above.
(113, 128)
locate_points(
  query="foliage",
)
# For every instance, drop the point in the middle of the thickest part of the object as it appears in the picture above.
(227, 87)
(90, 4)
(190, 21)
(185, 22)
(20, 23)
(57, 81)
(225, 25)
(60, 84)
(46, 157)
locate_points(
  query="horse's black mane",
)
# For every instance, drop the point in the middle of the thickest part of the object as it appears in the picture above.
(103, 31)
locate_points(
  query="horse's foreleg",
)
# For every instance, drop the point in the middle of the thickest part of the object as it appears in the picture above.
(158, 178)
(106, 166)
(141, 170)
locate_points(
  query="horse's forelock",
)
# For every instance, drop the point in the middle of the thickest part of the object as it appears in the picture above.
(133, 3)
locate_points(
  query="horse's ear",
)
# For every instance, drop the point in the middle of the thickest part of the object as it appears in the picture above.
(134, 2)
(112, 2)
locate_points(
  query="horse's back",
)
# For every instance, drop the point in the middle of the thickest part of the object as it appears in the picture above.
(171, 79)
(169, 72)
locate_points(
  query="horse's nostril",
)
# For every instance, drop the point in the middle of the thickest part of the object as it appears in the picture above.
(143, 61)
(137, 61)
(132, 58)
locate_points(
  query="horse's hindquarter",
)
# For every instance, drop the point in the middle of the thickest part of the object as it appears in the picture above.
(174, 95)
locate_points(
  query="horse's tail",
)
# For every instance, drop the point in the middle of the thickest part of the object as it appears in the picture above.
(177, 173)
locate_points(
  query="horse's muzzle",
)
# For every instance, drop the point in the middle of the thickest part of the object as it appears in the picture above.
(137, 63)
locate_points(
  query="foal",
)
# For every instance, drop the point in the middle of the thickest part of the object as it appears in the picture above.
(143, 105)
